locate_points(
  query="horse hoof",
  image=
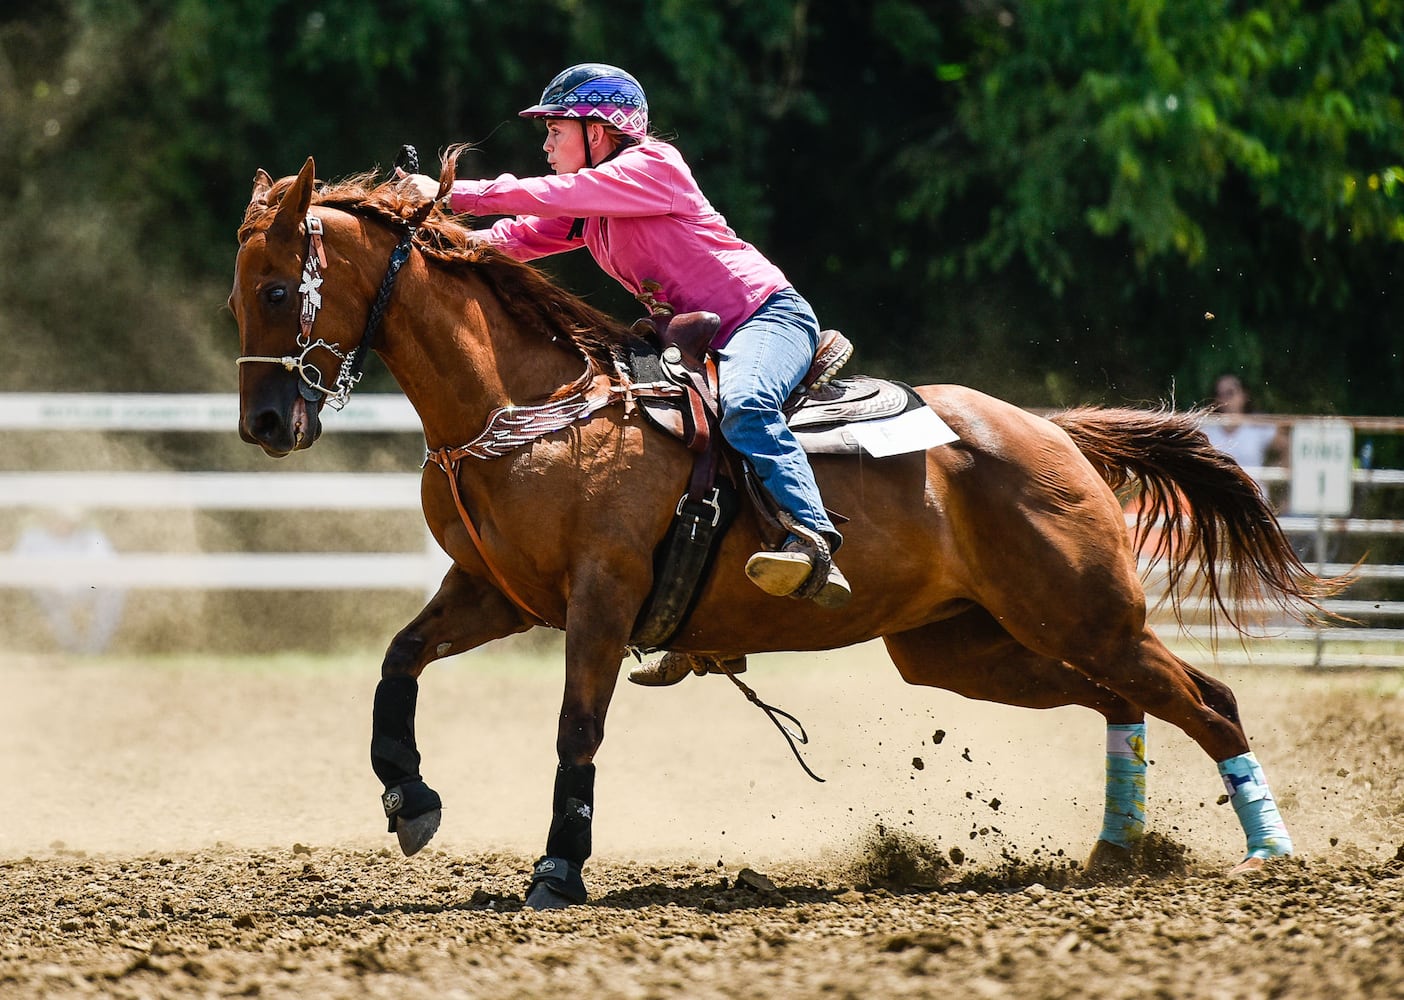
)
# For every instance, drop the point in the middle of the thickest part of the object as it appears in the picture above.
(413, 834)
(543, 897)
(1109, 860)
(1248, 866)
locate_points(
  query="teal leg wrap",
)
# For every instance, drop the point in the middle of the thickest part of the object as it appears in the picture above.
(1124, 817)
(1257, 810)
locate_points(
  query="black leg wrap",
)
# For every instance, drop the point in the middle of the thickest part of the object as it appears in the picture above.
(394, 757)
(408, 800)
(393, 754)
(561, 877)
(556, 880)
(572, 810)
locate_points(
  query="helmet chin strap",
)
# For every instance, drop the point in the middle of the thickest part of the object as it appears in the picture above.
(585, 134)
(577, 228)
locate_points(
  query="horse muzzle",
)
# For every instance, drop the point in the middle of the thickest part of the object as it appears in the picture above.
(283, 425)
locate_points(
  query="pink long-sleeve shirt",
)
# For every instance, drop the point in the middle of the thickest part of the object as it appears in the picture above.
(645, 219)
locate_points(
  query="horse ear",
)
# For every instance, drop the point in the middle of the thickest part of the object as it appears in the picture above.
(262, 184)
(293, 208)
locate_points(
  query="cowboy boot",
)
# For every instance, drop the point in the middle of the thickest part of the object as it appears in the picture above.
(836, 591)
(783, 573)
(673, 667)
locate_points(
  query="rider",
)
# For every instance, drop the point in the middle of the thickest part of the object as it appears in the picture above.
(632, 201)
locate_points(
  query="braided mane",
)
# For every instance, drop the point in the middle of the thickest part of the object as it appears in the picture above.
(534, 302)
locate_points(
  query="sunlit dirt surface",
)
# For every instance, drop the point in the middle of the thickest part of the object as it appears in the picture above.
(182, 827)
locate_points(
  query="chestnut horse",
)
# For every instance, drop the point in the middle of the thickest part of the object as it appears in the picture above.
(998, 566)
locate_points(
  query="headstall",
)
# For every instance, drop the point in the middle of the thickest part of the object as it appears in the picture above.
(351, 365)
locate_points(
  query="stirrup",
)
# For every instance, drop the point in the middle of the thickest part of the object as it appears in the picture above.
(803, 568)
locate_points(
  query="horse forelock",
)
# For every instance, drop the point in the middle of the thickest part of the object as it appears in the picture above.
(534, 301)
(359, 194)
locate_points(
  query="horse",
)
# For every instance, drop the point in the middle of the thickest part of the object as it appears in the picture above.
(998, 566)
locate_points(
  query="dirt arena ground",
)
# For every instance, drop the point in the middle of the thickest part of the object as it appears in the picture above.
(187, 827)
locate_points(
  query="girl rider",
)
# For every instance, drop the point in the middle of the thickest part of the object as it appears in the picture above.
(632, 201)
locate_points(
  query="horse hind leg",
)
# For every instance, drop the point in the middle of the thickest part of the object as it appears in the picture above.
(1216, 694)
(1247, 786)
(1100, 630)
(1206, 710)
(1253, 801)
(973, 656)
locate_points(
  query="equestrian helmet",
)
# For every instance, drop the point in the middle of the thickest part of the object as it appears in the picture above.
(595, 90)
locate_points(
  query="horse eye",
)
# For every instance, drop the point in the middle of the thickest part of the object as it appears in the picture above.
(276, 295)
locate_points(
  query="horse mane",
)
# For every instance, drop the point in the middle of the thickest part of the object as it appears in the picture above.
(534, 301)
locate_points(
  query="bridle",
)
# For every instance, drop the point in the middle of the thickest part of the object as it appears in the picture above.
(508, 427)
(351, 365)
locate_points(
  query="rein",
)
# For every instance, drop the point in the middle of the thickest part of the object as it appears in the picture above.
(793, 735)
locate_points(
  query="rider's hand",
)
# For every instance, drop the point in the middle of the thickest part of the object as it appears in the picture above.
(422, 184)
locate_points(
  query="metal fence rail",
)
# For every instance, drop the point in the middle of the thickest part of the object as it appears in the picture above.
(1368, 634)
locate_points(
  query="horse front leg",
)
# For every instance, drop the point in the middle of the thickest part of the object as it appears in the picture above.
(465, 612)
(593, 659)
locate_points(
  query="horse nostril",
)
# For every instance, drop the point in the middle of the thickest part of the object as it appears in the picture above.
(266, 424)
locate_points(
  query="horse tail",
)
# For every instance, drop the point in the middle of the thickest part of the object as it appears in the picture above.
(1218, 534)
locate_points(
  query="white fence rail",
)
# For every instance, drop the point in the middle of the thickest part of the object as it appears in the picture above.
(144, 411)
(226, 491)
(1374, 641)
(56, 413)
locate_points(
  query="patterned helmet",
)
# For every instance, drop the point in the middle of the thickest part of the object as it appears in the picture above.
(595, 90)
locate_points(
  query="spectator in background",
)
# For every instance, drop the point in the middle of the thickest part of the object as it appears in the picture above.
(81, 618)
(1253, 444)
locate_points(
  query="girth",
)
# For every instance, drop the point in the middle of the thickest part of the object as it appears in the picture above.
(674, 349)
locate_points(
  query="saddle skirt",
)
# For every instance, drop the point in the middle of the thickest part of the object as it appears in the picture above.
(865, 415)
(855, 415)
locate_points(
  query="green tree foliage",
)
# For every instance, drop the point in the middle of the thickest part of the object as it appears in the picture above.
(1043, 199)
(1146, 165)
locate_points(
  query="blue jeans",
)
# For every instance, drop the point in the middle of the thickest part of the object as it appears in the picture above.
(757, 370)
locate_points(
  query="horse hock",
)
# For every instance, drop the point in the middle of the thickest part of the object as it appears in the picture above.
(411, 807)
